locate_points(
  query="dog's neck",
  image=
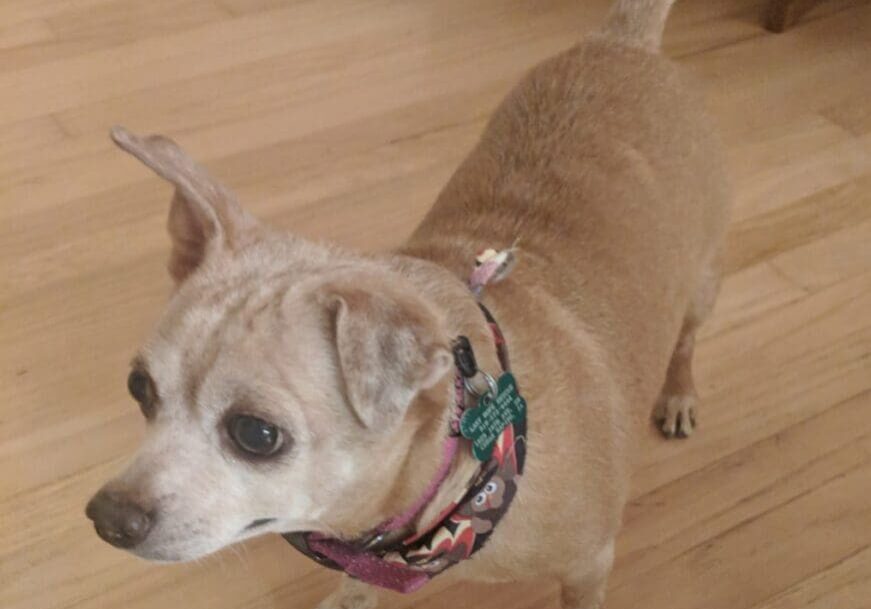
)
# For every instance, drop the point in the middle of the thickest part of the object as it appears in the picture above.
(415, 452)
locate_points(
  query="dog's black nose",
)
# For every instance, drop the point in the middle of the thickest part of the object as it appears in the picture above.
(118, 520)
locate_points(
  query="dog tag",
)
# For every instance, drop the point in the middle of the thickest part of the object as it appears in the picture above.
(483, 424)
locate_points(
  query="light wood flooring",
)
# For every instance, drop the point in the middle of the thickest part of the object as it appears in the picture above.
(341, 119)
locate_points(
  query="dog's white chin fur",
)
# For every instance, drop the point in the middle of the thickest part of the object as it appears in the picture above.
(178, 552)
(195, 550)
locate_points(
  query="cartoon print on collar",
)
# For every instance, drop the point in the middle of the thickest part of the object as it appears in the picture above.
(486, 505)
(467, 528)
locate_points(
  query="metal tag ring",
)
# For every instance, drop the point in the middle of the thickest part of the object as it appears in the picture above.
(492, 386)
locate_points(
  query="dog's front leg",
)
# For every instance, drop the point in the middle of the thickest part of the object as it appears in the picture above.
(585, 588)
(351, 594)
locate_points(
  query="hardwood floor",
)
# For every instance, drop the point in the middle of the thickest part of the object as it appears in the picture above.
(341, 119)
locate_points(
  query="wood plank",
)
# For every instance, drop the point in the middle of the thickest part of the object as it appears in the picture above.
(22, 34)
(818, 264)
(78, 28)
(673, 519)
(782, 14)
(746, 295)
(809, 67)
(787, 160)
(837, 528)
(845, 585)
(763, 377)
(799, 223)
(851, 110)
(32, 134)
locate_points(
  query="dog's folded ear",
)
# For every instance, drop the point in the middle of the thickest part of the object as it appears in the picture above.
(204, 216)
(389, 343)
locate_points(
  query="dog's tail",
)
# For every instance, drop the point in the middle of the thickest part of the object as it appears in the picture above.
(638, 23)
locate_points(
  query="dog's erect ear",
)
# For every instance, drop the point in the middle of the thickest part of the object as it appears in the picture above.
(203, 216)
(390, 345)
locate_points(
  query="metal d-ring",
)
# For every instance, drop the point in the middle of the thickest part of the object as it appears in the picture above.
(492, 387)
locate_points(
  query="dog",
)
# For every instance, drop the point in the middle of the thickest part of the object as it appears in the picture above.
(292, 386)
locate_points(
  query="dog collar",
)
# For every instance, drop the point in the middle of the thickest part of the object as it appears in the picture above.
(494, 429)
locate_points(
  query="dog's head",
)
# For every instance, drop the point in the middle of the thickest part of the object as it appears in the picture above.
(273, 385)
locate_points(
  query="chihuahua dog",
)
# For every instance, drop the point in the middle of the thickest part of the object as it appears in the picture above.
(291, 386)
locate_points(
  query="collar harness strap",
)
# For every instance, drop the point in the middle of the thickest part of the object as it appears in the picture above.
(495, 429)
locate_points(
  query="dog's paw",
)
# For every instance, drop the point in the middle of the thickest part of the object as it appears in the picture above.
(676, 415)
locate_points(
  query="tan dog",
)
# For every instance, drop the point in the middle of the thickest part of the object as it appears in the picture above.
(290, 386)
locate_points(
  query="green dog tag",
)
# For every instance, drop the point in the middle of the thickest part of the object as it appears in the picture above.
(483, 424)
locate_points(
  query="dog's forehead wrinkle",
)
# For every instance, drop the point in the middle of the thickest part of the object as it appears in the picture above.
(202, 354)
(196, 324)
(273, 252)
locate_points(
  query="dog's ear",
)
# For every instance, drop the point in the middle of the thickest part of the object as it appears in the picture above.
(204, 216)
(390, 345)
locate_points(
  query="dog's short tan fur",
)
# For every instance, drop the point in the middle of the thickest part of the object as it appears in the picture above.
(602, 165)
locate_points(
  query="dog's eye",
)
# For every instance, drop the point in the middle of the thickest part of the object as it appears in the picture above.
(254, 435)
(141, 387)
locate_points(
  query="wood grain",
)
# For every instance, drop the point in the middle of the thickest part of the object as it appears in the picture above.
(782, 14)
(341, 119)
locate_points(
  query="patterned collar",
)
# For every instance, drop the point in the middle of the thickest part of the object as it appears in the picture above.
(494, 429)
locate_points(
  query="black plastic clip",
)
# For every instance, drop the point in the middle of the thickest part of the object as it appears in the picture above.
(464, 357)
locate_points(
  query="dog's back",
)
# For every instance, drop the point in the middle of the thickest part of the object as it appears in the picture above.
(602, 165)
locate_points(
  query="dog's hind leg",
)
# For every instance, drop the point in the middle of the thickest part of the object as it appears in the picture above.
(675, 410)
